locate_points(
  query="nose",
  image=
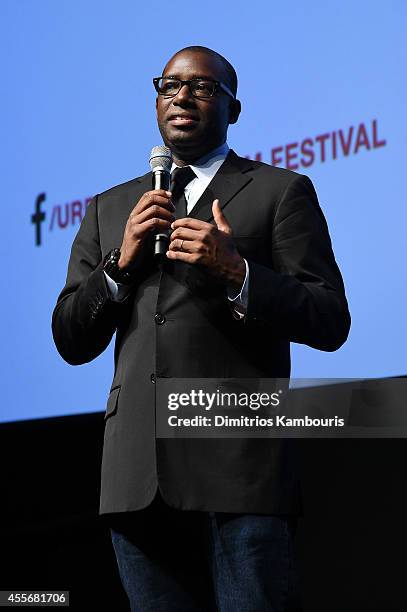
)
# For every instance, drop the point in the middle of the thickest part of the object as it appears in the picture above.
(184, 94)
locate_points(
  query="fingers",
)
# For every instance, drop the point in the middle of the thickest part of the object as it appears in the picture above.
(153, 219)
(192, 236)
(155, 211)
(219, 217)
(187, 246)
(151, 225)
(191, 258)
(186, 234)
(195, 224)
(191, 223)
(157, 197)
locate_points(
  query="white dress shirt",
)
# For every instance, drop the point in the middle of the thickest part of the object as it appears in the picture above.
(205, 169)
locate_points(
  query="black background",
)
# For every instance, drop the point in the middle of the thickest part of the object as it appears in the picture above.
(351, 540)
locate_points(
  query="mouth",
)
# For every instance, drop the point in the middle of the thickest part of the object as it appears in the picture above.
(182, 119)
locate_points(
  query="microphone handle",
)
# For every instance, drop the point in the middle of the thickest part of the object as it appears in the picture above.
(161, 180)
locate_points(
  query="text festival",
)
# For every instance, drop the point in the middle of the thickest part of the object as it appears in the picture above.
(326, 147)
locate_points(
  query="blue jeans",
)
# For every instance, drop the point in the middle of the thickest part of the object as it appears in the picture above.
(185, 561)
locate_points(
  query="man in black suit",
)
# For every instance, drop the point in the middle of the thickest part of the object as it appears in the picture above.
(249, 269)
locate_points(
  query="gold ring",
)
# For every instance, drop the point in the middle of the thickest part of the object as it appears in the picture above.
(182, 242)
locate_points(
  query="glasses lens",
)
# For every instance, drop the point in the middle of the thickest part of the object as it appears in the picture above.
(168, 87)
(203, 89)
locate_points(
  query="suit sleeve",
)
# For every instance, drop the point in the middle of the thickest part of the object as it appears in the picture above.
(85, 317)
(301, 295)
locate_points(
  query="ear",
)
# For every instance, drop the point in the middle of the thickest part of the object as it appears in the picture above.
(234, 110)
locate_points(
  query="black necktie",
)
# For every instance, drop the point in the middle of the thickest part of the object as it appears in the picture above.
(180, 177)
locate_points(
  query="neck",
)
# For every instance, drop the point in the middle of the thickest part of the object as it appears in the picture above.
(181, 158)
(182, 162)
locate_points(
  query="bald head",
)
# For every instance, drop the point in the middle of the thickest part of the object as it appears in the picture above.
(229, 73)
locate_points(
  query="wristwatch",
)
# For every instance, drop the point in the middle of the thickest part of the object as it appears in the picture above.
(121, 276)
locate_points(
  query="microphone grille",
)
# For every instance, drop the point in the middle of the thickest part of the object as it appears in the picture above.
(161, 158)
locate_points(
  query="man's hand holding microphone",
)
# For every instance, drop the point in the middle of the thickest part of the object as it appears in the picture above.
(192, 241)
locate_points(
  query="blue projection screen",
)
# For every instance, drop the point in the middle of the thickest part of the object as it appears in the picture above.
(323, 92)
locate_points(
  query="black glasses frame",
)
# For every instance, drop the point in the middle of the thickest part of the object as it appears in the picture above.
(217, 85)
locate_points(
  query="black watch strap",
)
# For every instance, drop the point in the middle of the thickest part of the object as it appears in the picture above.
(111, 267)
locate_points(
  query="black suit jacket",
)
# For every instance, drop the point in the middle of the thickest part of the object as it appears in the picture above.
(296, 294)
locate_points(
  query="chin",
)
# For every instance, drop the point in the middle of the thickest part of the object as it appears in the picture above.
(182, 139)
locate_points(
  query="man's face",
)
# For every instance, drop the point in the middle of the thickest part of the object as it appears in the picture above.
(190, 126)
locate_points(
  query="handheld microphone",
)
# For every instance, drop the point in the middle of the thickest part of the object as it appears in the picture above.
(160, 164)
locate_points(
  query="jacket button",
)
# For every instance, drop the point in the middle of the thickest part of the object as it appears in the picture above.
(159, 318)
(152, 378)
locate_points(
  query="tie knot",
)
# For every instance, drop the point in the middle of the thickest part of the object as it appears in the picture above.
(180, 177)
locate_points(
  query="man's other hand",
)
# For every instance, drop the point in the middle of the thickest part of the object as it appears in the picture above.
(197, 242)
(153, 212)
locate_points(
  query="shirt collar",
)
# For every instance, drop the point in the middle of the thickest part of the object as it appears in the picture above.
(207, 166)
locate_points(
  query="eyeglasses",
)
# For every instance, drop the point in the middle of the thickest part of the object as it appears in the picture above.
(199, 88)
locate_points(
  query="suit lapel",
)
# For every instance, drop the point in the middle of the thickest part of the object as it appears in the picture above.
(141, 185)
(227, 182)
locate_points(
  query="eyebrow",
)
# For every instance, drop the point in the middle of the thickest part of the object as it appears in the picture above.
(198, 76)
